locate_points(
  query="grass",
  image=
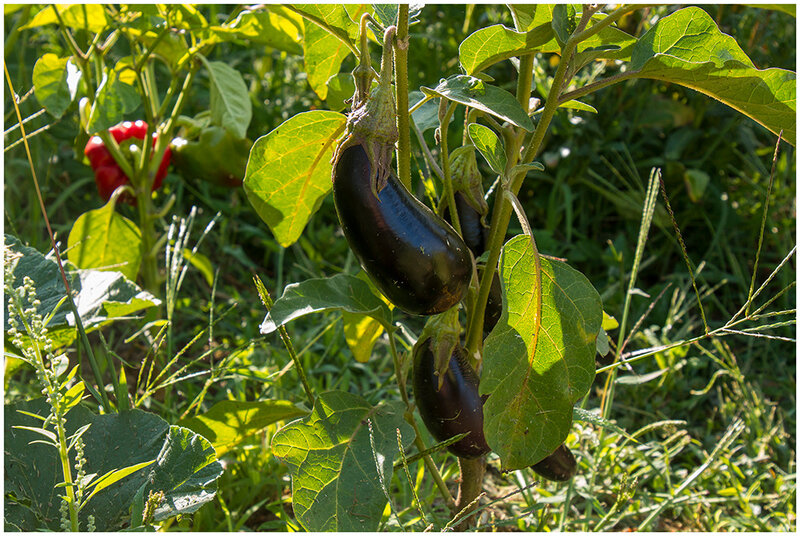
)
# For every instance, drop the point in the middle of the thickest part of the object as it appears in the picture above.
(714, 420)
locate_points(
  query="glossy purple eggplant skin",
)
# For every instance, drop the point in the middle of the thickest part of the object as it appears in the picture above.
(494, 306)
(456, 407)
(559, 466)
(473, 231)
(476, 236)
(412, 255)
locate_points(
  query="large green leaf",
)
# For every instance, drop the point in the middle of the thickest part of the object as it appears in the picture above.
(341, 292)
(323, 56)
(55, 82)
(186, 470)
(230, 422)
(106, 240)
(332, 459)
(101, 296)
(489, 45)
(476, 93)
(230, 101)
(289, 171)
(183, 466)
(534, 371)
(688, 49)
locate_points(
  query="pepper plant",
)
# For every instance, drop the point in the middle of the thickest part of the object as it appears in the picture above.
(134, 63)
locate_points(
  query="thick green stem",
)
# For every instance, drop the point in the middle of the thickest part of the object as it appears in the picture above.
(472, 471)
(401, 88)
(501, 215)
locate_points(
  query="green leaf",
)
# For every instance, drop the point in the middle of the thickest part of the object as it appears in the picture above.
(489, 45)
(202, 263)
(490, 146)
(340, 292)
(525, 14)
(789, 9)
(340, 88)
(91, 17)
(333, 17)
(101, 296)
(609, 322)
(578, 105)
(535, 371)
(186, 470)
(113, 476)
(40, 431)
(103, 239)
(113, 100)
(473, 92)
(362, 331)
(687, 48)
(231, 422)
(276, 28)
(74, 395)
(230, 100)
(55, 82)
(289, 172)
(335, 480)
(564, 22)
(492, 44)
(117, 446)
(323, 55)
(427, 115)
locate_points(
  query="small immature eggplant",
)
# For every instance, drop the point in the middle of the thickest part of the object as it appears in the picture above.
(456, 407)
(559, 466)
(474, 232)
(494, 306)
(412, 255)
(476, 236)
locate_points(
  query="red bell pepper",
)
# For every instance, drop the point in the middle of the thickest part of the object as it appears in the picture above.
(107, 174)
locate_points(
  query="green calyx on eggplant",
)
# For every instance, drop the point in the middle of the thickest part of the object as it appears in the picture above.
(371, 124)
(559, 466)
(455, 407)
(413, 256)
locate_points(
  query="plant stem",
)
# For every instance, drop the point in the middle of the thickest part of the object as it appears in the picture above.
(445, 157)
(472, 471)
(401, 89)
(99, 393)
(266, 299)
(594, 86)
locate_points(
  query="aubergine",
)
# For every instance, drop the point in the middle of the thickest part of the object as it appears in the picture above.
(473, 231)
(559, 466)
(494, 306)
(476, 236)
(456, 407)
(412, 255)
